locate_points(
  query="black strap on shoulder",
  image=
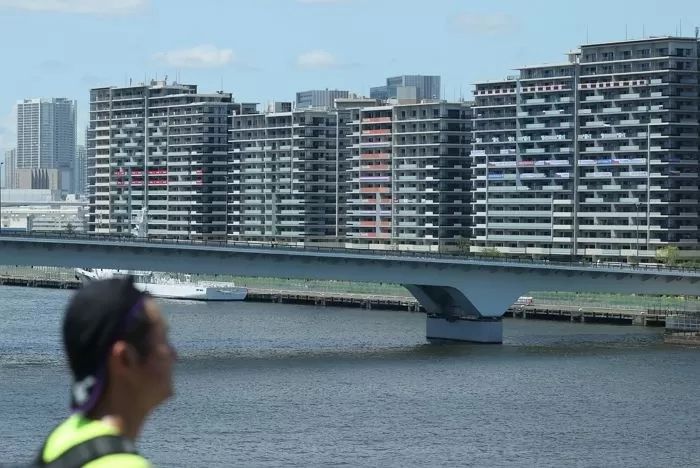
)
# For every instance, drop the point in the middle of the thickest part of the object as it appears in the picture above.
(91, 450)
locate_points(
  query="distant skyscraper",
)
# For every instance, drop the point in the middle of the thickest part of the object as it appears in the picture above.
(46, 136)
(80, 170)
(9, 179)
(408, 87)
(320, 98)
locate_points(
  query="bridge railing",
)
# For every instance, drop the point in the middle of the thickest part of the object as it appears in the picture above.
(345, 250)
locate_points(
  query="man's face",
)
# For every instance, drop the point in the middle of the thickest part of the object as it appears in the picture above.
(155, 371)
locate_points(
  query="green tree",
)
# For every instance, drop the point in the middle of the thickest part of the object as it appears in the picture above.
(463, 246)
(491, 252)
(69, 228)
(668, 255)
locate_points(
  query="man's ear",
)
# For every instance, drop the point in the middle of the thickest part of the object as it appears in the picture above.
(123, 355)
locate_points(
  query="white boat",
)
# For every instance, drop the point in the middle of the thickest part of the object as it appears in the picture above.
(166, 287)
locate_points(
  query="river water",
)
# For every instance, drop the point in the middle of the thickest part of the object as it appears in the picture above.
(283, 385)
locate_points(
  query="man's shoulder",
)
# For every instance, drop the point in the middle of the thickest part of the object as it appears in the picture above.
(120, 460)
(73, 431)
(78, 430)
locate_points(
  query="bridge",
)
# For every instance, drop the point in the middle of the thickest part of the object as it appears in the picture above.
(465, 297)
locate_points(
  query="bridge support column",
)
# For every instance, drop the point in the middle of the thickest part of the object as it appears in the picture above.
(464, 314)
(475, 330)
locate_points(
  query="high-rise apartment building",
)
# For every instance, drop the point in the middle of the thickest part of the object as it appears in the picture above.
(408, 88)
(159, 150)
(596, 157)
(80, 170)
(409, 176)
(10, 170)
(319, 98)
(286, 176)
(46, 137)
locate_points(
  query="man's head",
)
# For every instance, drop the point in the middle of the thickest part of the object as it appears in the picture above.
(116, 341)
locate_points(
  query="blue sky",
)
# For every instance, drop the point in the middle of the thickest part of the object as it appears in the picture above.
(266, 50)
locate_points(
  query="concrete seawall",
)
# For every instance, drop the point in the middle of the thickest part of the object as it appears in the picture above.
(51, 283)
(683, 338)
(334, 299)
(583, 314)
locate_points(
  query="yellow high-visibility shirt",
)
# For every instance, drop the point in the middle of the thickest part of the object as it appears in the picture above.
(78, 429)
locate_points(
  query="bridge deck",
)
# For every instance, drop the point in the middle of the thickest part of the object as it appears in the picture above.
(373, 254)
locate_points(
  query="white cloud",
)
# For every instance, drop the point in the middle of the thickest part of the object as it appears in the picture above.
(484, 23)
(201, 56)
(88, 7)
(317, 59)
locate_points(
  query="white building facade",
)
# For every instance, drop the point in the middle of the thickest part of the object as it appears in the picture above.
(159, 150)
(593, 158)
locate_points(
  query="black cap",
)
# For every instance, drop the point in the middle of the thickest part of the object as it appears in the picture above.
(97, 316)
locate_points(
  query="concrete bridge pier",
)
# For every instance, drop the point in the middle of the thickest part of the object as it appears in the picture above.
(468, 329)
(458, 314)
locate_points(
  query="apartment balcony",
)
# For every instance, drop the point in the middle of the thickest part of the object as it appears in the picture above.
(516, 225)
(374, 156)
(535, 150)
(521, 213)
(612, 228)
(375, 190)
(519, 237)
(376, 120)
(595, 123)
(377, 132)
(611, 215)
(519, 201)
(381, 167)
(374, 144)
